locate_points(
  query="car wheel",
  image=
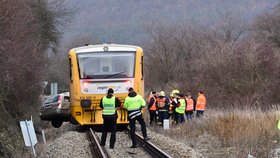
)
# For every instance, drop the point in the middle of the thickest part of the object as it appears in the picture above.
(56, 123)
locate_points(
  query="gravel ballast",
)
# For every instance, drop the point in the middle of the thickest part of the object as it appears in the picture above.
(67, 142)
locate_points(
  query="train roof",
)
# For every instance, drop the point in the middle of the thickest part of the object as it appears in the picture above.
(102, 47)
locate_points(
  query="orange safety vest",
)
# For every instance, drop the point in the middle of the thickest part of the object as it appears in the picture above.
(201, 102)
(161, 102)
(153, 107)
(189, 104)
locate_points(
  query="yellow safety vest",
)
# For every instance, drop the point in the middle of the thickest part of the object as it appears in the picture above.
(109, 107)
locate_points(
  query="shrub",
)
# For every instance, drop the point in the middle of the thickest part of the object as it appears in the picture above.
(235, 130)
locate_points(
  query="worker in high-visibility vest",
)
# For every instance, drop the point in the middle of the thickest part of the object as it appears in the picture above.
(133, 103)
(163, 107)
(191, 103)
(180, 109)
(152, 107)
(200, 104)
(109, 104)
(170, 113)
(173, 98)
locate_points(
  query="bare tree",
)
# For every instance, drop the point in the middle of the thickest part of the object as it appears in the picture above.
(230, 69)
(266, 27)
(26, 29)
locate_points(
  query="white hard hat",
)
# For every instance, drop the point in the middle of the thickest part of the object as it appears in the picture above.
(161, 93)
(175, 92)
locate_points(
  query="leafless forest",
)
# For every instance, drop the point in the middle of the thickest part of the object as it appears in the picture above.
(235, 61)
(235, 64)
(27, 29)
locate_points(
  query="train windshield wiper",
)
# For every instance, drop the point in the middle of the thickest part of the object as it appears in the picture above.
(115, 74)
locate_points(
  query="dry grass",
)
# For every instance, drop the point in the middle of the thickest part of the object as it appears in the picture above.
(232, 133)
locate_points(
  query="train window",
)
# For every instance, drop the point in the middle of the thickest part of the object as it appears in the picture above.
(97, 65)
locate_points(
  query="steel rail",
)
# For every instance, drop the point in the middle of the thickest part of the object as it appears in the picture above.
(152, 149)
(97, 149)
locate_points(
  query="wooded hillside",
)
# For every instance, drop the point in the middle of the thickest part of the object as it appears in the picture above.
(27, 29)
(234, 60)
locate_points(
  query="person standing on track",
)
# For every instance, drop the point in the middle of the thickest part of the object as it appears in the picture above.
(133, 103)
(109, 104)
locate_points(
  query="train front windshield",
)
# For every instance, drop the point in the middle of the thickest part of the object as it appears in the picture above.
(106, 65)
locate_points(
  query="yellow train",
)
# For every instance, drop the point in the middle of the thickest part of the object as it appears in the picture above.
(96, 68)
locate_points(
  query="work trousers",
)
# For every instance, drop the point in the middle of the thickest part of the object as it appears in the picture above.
(109, 125)
(162, 115)
(132, 128)
(199, 113)
(189, 115)
(172, 114)
(153, 116)
(179, 118)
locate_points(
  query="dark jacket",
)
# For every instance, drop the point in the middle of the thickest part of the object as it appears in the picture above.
(132, 94)
(167, 103)
(194, 103)
(176, 102)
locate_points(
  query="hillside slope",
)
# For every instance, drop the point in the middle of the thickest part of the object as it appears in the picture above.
(129, 21)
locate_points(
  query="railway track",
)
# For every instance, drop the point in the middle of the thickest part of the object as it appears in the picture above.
(97, 150)
(152, 149)
(100, 152)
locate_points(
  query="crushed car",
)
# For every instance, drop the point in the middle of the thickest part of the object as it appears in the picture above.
(56, 109)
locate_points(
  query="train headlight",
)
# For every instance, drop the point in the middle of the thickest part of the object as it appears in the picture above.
(85, 103)
(85, 84)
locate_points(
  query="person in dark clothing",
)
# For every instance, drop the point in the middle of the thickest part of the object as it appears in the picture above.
(109, 104)
(172, 107)
(180, 104)
(170, 114)
(163, 107)
(152, 107)
(134, 103)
